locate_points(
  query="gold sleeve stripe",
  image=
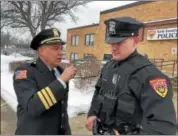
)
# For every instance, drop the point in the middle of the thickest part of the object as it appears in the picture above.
(47, 97)
(51, 95)
(43, 100)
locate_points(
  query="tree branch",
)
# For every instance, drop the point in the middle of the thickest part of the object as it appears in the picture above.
(36, 15)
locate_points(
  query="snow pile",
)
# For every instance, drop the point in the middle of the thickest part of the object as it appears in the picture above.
(16, 55)
(7, 91)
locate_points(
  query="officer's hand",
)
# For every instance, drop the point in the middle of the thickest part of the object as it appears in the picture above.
(89, 122)
(68, 73)
(116, 132)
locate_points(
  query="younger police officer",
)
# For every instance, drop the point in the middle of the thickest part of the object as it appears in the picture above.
(132, 96)
(42, 89)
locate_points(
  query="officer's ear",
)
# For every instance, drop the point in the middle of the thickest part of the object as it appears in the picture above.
(40, 50)
(136, 40)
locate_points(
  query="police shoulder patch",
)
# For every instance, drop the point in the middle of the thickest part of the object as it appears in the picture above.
(21, 74)
(159, 85)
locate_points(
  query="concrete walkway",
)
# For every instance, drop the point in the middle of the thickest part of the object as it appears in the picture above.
(8, 119)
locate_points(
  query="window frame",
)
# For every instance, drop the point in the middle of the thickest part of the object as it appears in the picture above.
(89, 42)
(107, 56)
(75, 54)
(75, 40)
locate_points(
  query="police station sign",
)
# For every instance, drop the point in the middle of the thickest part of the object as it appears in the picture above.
(162, 34)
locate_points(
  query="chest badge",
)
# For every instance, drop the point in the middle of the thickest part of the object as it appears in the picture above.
(115, 78)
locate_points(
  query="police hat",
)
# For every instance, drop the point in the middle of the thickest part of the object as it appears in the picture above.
(119, 29)
(46, 37)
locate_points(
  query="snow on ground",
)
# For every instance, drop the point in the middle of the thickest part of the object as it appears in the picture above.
(7, 91)
(79, 101)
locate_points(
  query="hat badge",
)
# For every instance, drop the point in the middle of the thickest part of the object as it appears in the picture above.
(112, 27)
(55, 32)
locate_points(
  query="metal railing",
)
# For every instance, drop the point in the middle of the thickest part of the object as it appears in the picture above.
(92, 68)
(86, 68)
(168, 67)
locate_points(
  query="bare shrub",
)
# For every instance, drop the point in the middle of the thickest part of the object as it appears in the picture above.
(85, 83)
(87, 73)
(14, 64)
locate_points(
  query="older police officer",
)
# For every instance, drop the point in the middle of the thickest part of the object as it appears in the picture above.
(132, 96)
(42, 89)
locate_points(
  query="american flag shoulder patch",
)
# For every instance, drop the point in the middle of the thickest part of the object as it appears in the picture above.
(21, 74)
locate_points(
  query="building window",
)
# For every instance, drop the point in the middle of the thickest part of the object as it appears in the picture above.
(89, 39)
(73, 56)
(86, 56)
(64, 55)
(75, 40)
(107, 57)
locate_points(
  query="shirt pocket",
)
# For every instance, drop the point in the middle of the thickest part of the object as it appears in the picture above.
(126, 106)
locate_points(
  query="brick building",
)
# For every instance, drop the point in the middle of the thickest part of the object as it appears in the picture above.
(158, 37)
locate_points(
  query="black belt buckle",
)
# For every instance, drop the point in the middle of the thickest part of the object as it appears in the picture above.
(100, 129)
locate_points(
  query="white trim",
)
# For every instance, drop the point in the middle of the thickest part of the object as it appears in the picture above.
(62, 82)
(54, 38)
